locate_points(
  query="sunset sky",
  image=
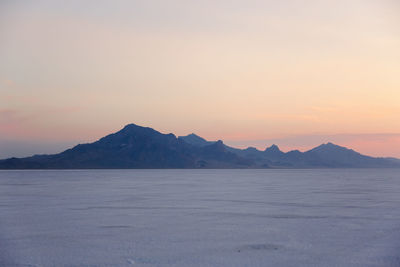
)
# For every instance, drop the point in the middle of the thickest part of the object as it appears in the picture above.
(252, 73)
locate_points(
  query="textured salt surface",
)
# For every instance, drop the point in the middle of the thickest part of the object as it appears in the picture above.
(342, 217)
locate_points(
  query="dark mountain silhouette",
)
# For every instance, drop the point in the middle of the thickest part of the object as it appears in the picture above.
(142, 147)
(134, 147)
(331, 155)
(324, 156)
(273, 151)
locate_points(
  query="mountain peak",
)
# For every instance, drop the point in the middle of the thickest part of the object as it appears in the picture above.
(195, 136)
(131, 126)
(219, 143)
(333, 150)
(195, 140)
(134, 127)
(274, 148)
(328, 146)
(251, 148)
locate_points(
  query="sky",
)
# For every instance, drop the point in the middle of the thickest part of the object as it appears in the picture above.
(252, 73)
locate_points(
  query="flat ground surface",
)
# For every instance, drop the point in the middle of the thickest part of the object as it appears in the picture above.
(342, 217)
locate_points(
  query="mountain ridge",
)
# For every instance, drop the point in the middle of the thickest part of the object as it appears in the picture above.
(135, 146)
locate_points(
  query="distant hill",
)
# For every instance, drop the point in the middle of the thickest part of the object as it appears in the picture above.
(195, 140)
(142, 147)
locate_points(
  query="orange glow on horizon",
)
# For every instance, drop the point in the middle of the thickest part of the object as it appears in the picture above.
(256, 71)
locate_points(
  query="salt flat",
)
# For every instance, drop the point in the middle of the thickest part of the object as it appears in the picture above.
(326, 217)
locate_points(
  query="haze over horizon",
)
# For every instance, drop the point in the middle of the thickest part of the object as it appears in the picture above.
(252, 73)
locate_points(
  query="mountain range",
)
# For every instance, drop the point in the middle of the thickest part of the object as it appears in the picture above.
(142, 147)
